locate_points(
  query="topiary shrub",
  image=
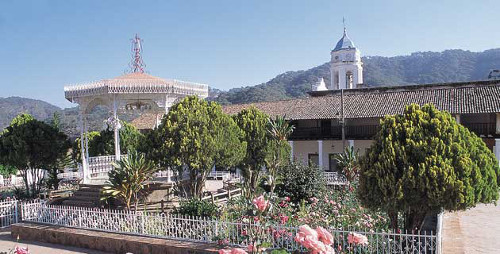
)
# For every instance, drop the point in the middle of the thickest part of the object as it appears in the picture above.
(300, 182)
(197, 207)
(423, 161)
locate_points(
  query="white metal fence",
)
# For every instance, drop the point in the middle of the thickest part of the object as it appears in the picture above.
(207, 230)
(8, 213)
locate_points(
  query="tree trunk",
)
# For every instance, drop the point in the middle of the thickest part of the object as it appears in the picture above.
(414, 220)
(393, 217)
(24, 175)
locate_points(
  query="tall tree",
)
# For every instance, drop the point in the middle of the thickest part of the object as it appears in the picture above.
(423, 161)
(254, 124)
(31, 146)
(196, 135)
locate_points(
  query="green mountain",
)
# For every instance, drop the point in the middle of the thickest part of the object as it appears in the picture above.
(12, 106)
(417, 68)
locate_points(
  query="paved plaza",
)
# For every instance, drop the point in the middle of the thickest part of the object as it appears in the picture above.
(476, 230)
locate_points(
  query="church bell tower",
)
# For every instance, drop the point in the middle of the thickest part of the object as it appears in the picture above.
(345, 66)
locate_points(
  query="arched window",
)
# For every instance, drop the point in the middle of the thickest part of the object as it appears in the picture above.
(349, 80)
(336, 80)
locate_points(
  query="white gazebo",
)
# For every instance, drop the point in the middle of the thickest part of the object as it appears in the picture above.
(133, 91)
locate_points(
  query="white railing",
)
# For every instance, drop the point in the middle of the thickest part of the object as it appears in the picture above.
(11, 182)
(335, 178)
(219, 175)
(8, 213)
(223, 197)
(169, 176)
(70, 175)
(100, 165)
(207, 230)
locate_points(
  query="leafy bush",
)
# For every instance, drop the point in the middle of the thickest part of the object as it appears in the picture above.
(197, 207)
(127, 181)
(300, 182)
(6, 171)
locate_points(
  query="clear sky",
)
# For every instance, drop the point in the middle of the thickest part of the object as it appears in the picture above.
(47, 44)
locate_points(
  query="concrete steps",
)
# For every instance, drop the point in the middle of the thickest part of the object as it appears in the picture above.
(87, 196)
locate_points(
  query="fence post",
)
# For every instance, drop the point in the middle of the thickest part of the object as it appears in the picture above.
(142, 222)
(79, 218)
(16, 219)
(439, 233)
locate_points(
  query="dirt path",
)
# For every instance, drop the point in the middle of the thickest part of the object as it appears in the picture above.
(476, 230)
(7, 244)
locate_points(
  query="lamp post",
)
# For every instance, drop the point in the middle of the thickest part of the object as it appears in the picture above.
(342, 121)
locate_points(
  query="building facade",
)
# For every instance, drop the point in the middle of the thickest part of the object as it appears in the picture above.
(318, 118)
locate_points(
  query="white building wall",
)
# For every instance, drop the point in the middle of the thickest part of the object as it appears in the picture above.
(301, 149)
(362, 145)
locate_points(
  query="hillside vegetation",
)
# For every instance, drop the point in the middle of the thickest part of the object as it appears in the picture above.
(417, 68)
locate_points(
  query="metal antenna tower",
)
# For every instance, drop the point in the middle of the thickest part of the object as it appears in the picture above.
(137, 65)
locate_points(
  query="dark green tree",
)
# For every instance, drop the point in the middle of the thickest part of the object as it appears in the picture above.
(254, 124)
(31, 146)
(7, 171)
(423, 161)
(102, 143)
(196, 135)
(300, 182)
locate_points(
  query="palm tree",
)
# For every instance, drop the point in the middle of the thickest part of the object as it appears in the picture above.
(279, 130)
(348, 162)
(128, 179)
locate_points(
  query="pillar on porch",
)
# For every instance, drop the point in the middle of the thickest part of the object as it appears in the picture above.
(457, 118)
(290, 142)
(320, 154)
(498, 124)
(350, 143)
(497, 149)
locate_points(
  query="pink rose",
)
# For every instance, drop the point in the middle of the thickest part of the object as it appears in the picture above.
(308, 231)
(316, 246)
(357, 239)
(238, 251)
(20, 250)
(251, 248)
(260, 203)
(329, 249)
(324, 236)
(224, 251)
(283, 219)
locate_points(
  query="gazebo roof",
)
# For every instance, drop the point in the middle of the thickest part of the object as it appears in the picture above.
(135, 83)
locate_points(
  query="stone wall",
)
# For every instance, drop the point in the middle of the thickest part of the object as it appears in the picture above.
(107, 242)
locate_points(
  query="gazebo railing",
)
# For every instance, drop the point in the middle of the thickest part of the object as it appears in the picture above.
(101, 165)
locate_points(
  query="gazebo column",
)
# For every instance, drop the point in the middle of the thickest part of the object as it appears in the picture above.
(116, 128)
(83, 149)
